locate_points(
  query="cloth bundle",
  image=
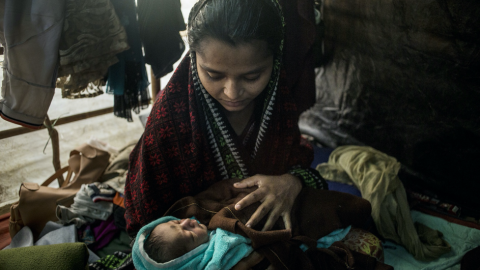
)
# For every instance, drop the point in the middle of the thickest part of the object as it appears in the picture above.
(84, 210)
(99, 192)
(375, 174)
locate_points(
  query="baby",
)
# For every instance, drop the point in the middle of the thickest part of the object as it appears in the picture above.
(172, 243)
(174, 238)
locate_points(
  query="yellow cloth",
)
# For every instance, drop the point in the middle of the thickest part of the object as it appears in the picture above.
(375, 175)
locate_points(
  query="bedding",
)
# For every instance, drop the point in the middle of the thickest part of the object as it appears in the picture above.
(462, 239)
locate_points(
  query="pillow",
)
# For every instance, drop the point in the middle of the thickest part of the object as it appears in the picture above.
(364, 242)
(66, 256)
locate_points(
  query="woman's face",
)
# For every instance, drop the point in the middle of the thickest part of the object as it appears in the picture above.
(234, 75)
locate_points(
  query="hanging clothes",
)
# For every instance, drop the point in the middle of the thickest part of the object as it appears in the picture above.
(91, 37)
(30, 33)
(298, 56)
(160, 23)
(128, 79)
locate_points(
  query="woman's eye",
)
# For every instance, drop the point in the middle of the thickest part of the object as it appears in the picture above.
(252, 78)
(214, 77)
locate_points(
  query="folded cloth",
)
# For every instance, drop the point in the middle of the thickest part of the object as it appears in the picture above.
(66, 216)
(119, 217)
(67, 256)
(223, 250)
(104, 233)
(101, 192)
(83, 208)
(119, 200)
(52, 234)
(121, 242)
(116, 173)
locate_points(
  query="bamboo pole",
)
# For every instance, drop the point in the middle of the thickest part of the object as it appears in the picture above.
(56, 148)
(155, 83)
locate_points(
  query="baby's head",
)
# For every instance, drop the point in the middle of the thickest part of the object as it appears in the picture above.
(174, 238)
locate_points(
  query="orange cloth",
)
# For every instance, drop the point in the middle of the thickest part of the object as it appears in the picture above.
(118, 200)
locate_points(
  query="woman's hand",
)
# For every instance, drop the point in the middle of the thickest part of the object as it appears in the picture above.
(277, 195)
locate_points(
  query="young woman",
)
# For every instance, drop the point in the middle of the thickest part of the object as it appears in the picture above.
(226, 113)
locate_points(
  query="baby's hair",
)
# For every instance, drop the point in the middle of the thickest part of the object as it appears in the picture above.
(160, 250)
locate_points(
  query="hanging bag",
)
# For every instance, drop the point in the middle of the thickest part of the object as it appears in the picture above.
(37, 203)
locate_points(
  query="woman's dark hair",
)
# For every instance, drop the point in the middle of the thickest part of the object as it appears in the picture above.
(234, 22)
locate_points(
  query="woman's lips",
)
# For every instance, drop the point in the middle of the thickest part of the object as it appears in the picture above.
(233, 103)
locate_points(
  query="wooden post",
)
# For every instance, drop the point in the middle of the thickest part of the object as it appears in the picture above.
(155, 85)
(56, 148)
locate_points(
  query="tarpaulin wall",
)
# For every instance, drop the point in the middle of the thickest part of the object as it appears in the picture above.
(403, 76)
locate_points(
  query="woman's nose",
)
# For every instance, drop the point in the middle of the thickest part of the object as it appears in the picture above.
(232, 90)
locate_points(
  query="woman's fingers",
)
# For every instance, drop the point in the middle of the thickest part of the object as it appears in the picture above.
(253, 197)
(261, 211)
(248, 182)
(287, 220)
(272, 219)
(276, 194)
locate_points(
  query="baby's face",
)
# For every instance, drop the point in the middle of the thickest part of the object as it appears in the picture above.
(186, 232)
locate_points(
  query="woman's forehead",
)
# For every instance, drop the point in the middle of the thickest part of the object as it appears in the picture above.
(243, 57)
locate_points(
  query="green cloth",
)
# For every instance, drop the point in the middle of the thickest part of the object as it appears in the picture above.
(114, 261)
(67, 256)
(375, 174)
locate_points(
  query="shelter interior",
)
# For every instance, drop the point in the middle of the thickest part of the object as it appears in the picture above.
(401, 77)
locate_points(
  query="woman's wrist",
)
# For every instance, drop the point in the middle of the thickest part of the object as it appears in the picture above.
(309, 177)
(297, 182)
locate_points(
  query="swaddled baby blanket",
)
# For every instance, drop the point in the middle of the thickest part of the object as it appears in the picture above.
(223, 250)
